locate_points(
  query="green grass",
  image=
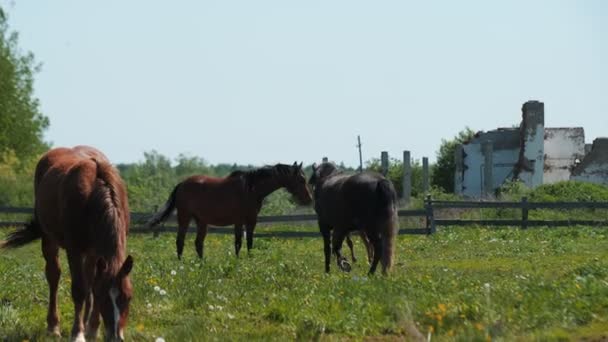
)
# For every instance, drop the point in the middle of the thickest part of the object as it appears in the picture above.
(460, 284)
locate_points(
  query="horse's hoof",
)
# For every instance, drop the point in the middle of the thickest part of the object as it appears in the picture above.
(79, 337)
(91, 335)
(344, 266)
(54, 331)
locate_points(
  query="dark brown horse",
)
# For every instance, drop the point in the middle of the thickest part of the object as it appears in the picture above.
(236, 199)
(364, 202)
(81, 206)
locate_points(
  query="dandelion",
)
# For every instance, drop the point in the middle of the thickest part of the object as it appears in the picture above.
(159, 339)
(479, 326)
(173, 272)
(211, 307)
(181, 267)
(162, 292)
(230, 316)
(139, 327)
(156, 288)
(149, 306)
(487, 286)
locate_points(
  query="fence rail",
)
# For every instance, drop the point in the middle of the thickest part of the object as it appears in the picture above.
(428, 214)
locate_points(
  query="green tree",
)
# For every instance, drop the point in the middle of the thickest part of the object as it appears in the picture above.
(443, 172)
(21, 123)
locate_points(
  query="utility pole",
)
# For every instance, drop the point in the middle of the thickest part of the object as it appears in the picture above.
(360, 156)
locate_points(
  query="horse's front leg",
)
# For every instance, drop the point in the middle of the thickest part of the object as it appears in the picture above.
(91, 309)
(349, 242)
(52, 270)
(337, 240)
(326, 233)
(250, 228)
(80, 290)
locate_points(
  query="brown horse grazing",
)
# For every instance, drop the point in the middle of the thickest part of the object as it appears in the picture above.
(365, 202)
(236, 199)
(81, 206)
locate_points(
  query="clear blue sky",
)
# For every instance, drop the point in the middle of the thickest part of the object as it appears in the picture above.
(267, 81)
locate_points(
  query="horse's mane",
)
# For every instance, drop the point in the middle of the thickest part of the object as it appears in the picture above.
(269, 171)
(108, 209)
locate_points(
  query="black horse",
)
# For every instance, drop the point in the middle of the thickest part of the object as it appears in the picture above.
(365, 202)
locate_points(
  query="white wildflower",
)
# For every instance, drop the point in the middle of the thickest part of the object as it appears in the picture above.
(159, 339)
(173, 272)
(156, 288)
(231, 316)
(162, 292)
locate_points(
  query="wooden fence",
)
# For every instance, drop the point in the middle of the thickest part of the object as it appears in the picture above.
(428, 215)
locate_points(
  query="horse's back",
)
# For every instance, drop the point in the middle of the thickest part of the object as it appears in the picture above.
(354, 200)
(214, 200)
(65, 180)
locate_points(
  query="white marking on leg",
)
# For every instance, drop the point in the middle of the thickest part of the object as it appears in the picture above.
(80, 337)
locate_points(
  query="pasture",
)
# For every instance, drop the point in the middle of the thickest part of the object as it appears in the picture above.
(459, 284)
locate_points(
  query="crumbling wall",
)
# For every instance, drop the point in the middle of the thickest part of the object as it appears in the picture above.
(564, 149)
(505, 151)
(530, 165)
(594, 167)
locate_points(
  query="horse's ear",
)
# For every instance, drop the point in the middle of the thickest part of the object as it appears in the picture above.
(126, 268)
(300, 166)
(102, 265)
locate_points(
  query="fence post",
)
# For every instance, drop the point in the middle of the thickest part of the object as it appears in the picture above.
(384, 162)
(430, 219)
(524, 212)
(425, 175)
(407, 178)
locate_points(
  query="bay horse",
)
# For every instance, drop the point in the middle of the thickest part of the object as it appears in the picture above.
(81, 206)
(365, 202)
(235, 199)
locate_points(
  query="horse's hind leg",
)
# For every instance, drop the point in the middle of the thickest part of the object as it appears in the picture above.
(201, 233)
(349, 242)
(250, 228)
(337, 240)
(80, 290)
(50, 251)
(183, 220)
(238, 238)
(375, 241)
(368, 247)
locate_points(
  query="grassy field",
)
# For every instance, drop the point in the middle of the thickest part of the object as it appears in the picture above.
(459, 284)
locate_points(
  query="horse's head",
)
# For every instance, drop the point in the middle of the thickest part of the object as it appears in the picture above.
(322, 171)
(112, 295)
(295, 183)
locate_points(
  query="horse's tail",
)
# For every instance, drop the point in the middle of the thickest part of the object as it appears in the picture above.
(387, 220)
(165, 211)
(30, 232)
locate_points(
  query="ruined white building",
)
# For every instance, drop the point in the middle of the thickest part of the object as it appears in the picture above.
(531, 153)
